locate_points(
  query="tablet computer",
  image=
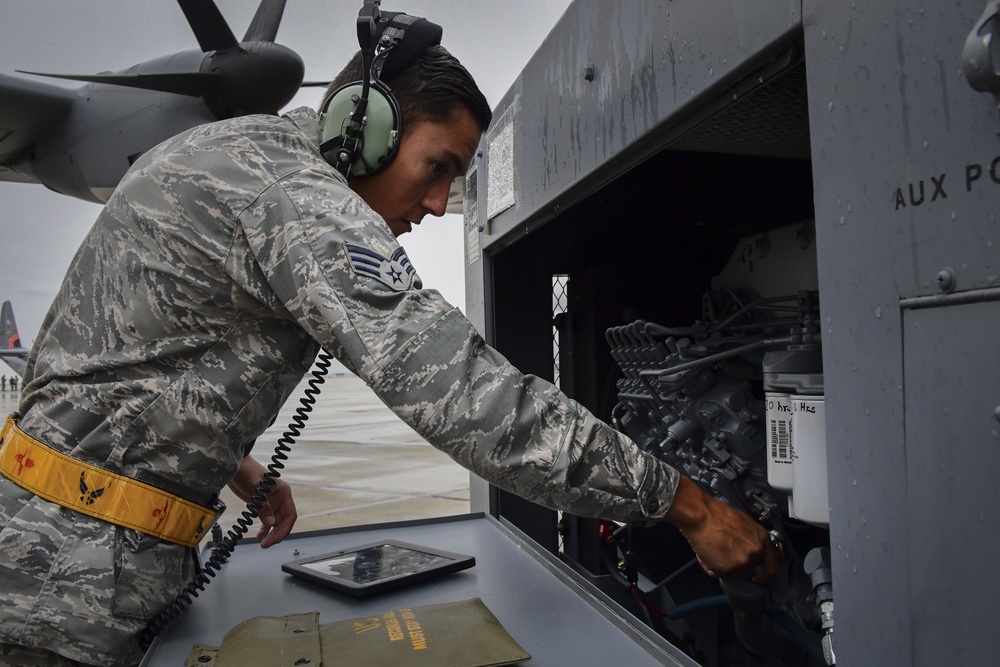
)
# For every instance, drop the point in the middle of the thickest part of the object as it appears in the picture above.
(377, 567)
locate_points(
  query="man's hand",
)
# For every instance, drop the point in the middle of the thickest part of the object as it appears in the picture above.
(278, 514)
(728, 543)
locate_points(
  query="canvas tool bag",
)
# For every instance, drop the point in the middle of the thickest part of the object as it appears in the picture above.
(453, 634)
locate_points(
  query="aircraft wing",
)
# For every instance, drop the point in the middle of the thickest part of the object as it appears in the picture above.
(28, 109)
(17, 362)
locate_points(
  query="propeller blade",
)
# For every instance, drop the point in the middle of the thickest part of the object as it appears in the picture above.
(209, 27)
(194, 84)
(264, 27)
(315, 84)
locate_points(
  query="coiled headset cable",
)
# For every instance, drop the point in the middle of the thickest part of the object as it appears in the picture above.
(223, 547)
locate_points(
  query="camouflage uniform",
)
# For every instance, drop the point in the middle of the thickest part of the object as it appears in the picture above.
(222, 262)
(19, 656)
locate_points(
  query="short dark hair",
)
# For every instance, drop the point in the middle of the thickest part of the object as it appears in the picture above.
(431, 89)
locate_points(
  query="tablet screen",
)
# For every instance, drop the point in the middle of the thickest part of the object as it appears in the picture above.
(375, 563)
(378, 566)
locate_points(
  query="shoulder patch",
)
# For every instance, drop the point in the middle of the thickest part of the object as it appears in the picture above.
(394, 272)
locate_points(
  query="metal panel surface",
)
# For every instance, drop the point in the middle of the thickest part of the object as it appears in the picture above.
(904, 168)
(952, 401)
(888, 86)
(548, 611)
(890, 108)
(606, 76)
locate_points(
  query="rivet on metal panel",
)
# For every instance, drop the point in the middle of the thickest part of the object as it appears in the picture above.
(946, 280)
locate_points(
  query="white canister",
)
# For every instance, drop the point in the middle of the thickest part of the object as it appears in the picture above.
(810, 495)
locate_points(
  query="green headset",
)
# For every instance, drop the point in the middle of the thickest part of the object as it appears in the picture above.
(361, 122)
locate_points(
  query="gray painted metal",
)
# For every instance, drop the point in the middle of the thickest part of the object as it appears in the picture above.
(548, 611)
(651, 62)
(906, 170)
(951, 399)
(904, 162)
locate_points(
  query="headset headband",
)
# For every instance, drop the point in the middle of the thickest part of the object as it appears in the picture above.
(384, 52)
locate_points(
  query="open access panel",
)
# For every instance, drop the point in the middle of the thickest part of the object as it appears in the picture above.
(757, 237)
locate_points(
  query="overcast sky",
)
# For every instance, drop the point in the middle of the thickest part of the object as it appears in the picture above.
(40, 230)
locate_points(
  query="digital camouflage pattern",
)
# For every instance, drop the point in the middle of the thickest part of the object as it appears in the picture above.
(19, 656)
(222, 262)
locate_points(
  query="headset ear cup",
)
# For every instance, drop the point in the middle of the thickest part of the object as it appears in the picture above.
(380, 130)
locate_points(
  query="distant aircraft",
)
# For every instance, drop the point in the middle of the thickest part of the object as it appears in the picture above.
(80, 142)
(11, 351)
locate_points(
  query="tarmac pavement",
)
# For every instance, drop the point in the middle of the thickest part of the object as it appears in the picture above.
(354, 463)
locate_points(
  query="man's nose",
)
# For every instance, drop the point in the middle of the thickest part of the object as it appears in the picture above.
(436, 200)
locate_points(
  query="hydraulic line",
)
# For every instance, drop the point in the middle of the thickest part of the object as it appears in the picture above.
(736, 351)
(800, 635)
(746, 600)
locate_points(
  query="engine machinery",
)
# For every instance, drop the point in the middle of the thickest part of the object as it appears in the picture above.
(735, 401)
(760, 239)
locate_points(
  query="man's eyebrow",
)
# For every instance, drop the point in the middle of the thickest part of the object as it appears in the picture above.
(456, 161)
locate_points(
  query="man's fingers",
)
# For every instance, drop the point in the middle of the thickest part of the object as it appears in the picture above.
(705, 567)
(758, 562)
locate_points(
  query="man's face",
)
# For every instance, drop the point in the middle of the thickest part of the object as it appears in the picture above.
(417, 181)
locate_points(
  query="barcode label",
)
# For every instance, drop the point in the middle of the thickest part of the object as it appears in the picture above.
(779, 440)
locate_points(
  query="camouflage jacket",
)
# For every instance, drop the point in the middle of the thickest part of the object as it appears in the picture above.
(226, 257)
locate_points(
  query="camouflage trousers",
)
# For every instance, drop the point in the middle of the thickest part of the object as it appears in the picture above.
(18, 656)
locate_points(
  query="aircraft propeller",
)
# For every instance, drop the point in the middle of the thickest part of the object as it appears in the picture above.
(255, 75)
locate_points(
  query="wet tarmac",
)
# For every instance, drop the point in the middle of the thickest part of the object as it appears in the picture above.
(354, 463)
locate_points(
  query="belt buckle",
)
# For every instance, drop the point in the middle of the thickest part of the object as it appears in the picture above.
(217, 507)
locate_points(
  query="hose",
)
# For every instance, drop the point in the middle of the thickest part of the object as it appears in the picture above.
(755, 624)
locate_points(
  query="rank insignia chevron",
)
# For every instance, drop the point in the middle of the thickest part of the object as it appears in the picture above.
(394, 272)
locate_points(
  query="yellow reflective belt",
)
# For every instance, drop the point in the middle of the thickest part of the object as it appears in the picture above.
(99, 493)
